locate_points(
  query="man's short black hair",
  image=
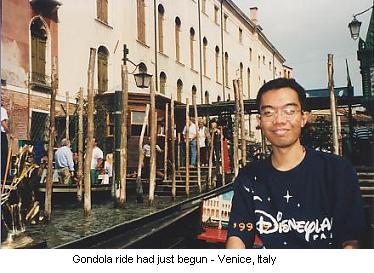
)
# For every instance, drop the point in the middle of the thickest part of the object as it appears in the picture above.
(283, 83)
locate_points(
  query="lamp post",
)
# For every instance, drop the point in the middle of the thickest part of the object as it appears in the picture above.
(365, 54)
(142, 80)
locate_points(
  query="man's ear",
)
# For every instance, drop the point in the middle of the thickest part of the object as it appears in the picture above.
(304, 118)
(258, 117)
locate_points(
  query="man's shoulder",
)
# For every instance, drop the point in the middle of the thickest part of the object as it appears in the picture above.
(329, 159)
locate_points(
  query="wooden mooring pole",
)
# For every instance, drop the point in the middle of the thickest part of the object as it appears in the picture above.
(90, 132)
(187, 141)
(80, 144)
(222, 159)
(123, 145)
(197, 143)
(67, 118)
(242, 123)
(236, 127)
(51, 141)
(330, 68)
(153, 124)
(166, 142)
(172, 125)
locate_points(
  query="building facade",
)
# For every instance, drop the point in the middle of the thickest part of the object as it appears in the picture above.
(195, 47)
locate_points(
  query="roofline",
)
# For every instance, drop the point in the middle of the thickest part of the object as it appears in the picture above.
(254, 27)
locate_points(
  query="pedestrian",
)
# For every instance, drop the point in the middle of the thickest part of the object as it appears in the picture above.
(4, 140)
(204, 139)
(64, 162)
(108, 167)
(147, 158)
(297, 197)
(362, 140)
(192, 132)
(215, 133)
(96, 162)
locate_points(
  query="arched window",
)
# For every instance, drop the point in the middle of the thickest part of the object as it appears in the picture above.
(249, 82)
(179, 90)
(177, 38)
(102, 69)
(161, 12)
(205, 46)
(38, 51)
(141, 20)
(192, 48)
(102, 10)
(226, 69)
(241, 72)
(217, 63)
(162, 82)
(218, 98)
(194, 90)
(206, 97)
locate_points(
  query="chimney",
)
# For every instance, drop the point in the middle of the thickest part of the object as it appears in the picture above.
(253, 15)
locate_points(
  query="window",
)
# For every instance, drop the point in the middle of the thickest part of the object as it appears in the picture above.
(216, 15)
(109, 124)
(269, 65)
(263, 60)
(192, 45)
(39, 126)
(203, 6)
(225, 22)
(241, 72)
(194, 91)
(137, 119)
(218, 98)
(160, 21)
(226, 69)
(177, 39)
(250, 54)
(240, 35)
(38, 51)
(249, 82)
(102, 69)
(162, 82)
(179, 90)
(259, 61)
(206, 96)
(217, 64)
(102, 10)
(141, 20)
(205, 46)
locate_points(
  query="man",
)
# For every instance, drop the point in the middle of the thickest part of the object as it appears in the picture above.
(362, 139)
(96, 162)
(297, 198)
(64, 162)
(191, 134)
(4, 140)
(147, 158)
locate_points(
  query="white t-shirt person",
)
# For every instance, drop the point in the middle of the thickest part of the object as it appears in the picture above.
(97, 153)
(4, 116)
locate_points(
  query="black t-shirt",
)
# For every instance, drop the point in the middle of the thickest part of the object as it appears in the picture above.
(317, 204)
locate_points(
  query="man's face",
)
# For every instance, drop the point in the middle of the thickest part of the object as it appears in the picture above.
(281, 118)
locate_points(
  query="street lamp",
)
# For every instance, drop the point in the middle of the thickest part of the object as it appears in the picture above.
(355, 25)
(142, 79)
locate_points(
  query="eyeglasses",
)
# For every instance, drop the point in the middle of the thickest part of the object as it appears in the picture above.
(288, 113)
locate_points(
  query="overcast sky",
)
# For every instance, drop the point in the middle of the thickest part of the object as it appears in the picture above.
(305, 31)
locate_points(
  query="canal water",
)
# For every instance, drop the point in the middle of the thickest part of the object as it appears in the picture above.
(68, 222)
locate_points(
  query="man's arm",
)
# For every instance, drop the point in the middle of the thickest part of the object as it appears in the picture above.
(234, 242)
(5, 125)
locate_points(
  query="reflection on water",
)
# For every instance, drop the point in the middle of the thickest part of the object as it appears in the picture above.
(68, 223)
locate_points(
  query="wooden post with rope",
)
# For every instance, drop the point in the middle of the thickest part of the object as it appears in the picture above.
(48, 186)
(187, 141)
(90, 132)
(172, 125)
(153, 124)
(222, 159)
(80, 144)
(67, 118)
(197, 143)
(236, 127)
(139, 185)
(179, 151)
(330, 68)
(166, 142)
(123, 145)
(210, 163)
(242, 123)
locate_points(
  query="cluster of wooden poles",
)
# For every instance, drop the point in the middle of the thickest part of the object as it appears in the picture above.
(121, 153)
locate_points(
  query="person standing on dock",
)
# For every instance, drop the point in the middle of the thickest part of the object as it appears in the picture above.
(4, 140)
(192, 137)
(297, 197)
(96, 162)
(204, 139)
(64, 162)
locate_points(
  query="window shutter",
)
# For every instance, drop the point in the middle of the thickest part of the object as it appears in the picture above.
(105, 10)
(98, 6)
(34, 48)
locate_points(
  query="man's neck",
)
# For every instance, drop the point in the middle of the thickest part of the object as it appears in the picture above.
(284, 159)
